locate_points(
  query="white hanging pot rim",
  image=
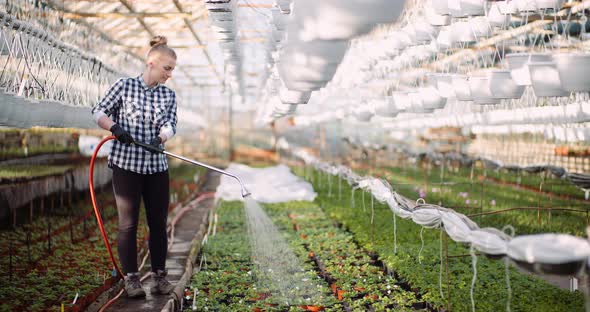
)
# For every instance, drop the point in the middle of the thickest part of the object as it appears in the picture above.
(545, 79)
(573, 70)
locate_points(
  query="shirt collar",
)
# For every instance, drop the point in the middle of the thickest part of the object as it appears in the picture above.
(145, 86)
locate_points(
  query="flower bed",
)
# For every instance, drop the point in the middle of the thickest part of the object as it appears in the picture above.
(227, 279)
(375, 228)
(356, 278)
(473, 196)
(44, 278)
(24, 172)
(27, 142)
(61, 253)
(347, 277)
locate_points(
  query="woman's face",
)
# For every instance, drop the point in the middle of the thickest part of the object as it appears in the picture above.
(161, 67)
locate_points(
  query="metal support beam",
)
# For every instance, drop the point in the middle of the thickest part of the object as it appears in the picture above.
(152, 34)
(102, 34)
(256, 5)
(139, 19)
(80, 15)
(194, 33)
(171, 46)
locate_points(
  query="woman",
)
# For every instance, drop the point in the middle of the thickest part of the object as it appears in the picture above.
(141, 109)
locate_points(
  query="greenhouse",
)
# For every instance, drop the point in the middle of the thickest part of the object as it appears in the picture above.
(295, 155)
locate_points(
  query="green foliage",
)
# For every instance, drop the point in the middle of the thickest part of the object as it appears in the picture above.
(529, 293)
(185, 172)
(69, 268)
(29, 171)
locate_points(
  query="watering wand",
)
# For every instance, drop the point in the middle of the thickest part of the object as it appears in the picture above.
(159, 150)
(154, 149)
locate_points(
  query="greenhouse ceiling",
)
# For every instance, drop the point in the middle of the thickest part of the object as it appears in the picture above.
(400, 64)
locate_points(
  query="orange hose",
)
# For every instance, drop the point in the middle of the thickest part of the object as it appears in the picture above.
(96, 212)
(101, 225)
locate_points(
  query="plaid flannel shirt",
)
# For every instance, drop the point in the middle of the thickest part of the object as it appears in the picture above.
(144, 112)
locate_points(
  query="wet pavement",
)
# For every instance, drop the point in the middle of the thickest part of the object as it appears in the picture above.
(185, 231)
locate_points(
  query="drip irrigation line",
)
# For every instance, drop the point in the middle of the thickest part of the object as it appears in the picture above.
(460, 227)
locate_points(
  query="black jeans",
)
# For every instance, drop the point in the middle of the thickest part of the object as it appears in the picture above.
(129, 187)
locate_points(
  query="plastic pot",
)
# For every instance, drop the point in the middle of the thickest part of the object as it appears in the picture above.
(461, 87)
(568, 268)
(444, 84)
(436, 19)
(549, 4)
(386, 107)
(480, 26)
(336, 19)
(503, 87)
(444, 40)
(473, 7)
(496, 17)
(424, 32)
(550, 253)
(545, 79)
(463, 8)
(507, 7)
(431, 99)
(574, 69)
(363, 114)
(518, 64)
(481, 91)
(461, 32)
(526, 6)
(441, 7)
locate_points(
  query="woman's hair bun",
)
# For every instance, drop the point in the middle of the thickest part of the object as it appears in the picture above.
(158, 40)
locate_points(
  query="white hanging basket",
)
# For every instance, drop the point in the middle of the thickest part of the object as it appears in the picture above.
(550, 253)
(481, 90)
(340, 20)
(363, 113)
(473, 7)
(463, 8)
(423, 31)
(461, 87)
(503, 87)
(444, 40)
(401, 100)
(518, 64)
(528, 6)
(574, 71)
(386, 107)
(545, 79)
(441, 7)
(436, 19)
(496, 17)
(311, 65)
(480, 26)
(461, 32)
(444, 84)
(431, 99)
(507, 7)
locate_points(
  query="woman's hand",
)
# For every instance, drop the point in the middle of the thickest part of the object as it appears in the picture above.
(121, 135)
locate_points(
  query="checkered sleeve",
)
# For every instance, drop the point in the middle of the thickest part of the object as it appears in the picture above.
(110, 102)
(169, 126)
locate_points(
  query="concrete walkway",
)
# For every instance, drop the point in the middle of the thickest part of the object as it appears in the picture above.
(185, 231)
